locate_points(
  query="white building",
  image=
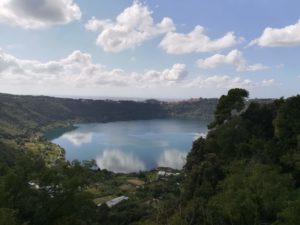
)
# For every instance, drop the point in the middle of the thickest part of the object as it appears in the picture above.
(116, 201)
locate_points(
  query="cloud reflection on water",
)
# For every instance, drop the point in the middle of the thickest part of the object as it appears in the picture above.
(78, 138)
(198, 135)
(119, 162)
(172, 158)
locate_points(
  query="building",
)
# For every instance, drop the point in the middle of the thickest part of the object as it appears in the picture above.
(115, 201)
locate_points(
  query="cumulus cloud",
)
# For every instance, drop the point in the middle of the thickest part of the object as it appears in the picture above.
(279, 37)
(172, 158)
(136, 25)
(78, 70)
(196, 41)
(225, 81)
(78, 138)
(33, 14)
(119, 162)
(131, 28)
(177, 72)
(220, 82)
(234, 58)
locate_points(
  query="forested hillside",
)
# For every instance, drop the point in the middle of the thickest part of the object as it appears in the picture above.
(28, 114)
(245, 172)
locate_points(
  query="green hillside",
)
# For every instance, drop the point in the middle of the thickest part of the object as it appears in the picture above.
(245, 172)
(20, 115)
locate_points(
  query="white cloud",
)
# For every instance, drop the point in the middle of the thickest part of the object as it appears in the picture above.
(33, 14)
(220, 82)
(172, 158)
(234, 58)
(279, 37)
(95, 25)
(196, 41)
(267, 83)
(78, 70)
(176, 73)
(225, 81)
(131, 28)
(119, 162)
(253, 68)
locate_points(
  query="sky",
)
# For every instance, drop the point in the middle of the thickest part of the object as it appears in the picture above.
(149, 49)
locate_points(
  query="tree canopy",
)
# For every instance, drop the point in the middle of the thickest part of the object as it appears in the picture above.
(247, 170)
(229, 105)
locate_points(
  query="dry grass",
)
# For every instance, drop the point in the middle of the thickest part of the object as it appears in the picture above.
(127, 187)
(136, 182)
(102, 200)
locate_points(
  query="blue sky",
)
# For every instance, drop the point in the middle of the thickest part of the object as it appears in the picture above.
(157, 48)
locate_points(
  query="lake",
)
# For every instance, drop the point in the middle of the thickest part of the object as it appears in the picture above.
(131, 146)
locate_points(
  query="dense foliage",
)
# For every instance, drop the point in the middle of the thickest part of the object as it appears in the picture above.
(229, 105)
(246, 171)
(35, 194)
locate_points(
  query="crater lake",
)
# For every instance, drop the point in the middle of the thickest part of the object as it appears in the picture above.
(131, 146)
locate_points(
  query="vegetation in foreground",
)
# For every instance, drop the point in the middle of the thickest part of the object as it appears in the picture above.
(245, 172)
(71, 193)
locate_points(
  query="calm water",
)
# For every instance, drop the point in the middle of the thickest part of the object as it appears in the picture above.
(131, 146)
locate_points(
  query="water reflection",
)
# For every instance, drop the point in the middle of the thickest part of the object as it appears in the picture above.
(119, 162)
(78, 138)
(172, 158)
(134, 145)
(198, 135)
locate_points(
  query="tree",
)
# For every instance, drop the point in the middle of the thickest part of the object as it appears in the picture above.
(251, 196)
(8, 217)
(229, 105)
(287, 122)
(291, 214)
